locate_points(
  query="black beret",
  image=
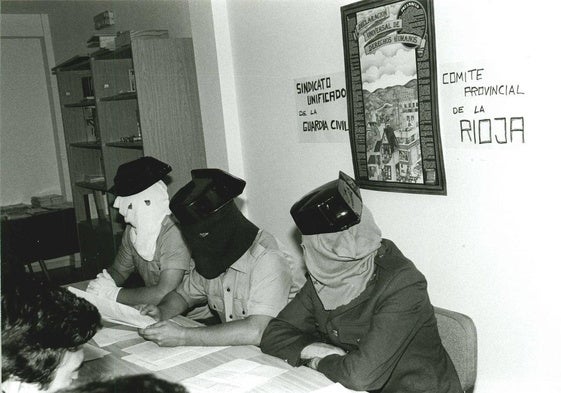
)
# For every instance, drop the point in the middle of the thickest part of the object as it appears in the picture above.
(135, 176)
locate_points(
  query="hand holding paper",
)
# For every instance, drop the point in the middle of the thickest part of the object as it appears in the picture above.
(151, 310)
(165, 333)
(115, 312)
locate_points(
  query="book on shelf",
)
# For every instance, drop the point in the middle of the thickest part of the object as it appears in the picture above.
(94, 178)
(96, 206)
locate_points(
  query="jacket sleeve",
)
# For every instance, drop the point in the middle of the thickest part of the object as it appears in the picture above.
(393, 325)
(293, 329)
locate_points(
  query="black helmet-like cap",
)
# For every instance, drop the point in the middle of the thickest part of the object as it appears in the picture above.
(207, 192)
(333, 207)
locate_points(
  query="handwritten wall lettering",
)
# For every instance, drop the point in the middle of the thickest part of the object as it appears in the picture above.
(497, 130)
(321, 108)
(480, 123)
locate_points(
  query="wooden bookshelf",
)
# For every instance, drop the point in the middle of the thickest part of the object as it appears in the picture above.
(163, 107)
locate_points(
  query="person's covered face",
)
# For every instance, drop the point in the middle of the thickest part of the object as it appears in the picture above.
(135, 208)
(67, 370)
(341, 263)
(219, 240)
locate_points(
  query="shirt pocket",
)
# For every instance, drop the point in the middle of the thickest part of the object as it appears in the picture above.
(216, 303)
(240, 309)
(352, 334)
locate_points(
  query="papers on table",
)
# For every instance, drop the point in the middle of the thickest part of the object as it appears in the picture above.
(112, 311)
(108, 336)
(91, 352)
(237, 376)
(334, 388)
(154, 358)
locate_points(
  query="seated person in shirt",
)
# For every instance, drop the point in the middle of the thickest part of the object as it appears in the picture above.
(363, 318)
(152, 244)
(240, 270)
(138, 383)
(43, 330)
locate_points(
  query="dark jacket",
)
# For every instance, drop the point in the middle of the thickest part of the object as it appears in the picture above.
(389, 332)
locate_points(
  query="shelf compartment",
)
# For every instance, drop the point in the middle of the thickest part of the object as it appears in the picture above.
(92, 185)
(82, 104)
(126, 145)
(87, 145)
(127, 95)
(102, 228)
(123, 52)
(75, 63)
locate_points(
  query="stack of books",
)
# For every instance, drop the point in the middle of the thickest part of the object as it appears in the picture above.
(47, 200)
(124, 38)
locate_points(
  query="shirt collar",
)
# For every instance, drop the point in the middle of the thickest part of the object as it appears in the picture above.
(242, 265)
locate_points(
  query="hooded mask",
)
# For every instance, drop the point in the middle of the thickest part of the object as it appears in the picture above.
(145, 212)
(142, 199)
(342, 263)
(216, 231)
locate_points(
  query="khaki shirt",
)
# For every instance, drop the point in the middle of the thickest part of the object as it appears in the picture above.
(259, 283)
(171, 253)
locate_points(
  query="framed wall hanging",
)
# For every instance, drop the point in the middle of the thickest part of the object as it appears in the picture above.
(392, 102)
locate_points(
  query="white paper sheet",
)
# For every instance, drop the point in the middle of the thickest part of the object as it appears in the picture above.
(108, 336)
(112, 311)
(237, 376)
(152, 357)
(334, 388)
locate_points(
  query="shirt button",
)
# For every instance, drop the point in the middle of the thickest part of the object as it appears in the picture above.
(243, 312)
(335, 332)
(230, 316)
(228, 289)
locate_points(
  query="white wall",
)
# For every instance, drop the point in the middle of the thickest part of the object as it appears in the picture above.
(488, 248)
(28, 140)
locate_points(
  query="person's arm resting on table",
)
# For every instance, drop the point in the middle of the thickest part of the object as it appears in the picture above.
(293, 329)
(169, 280)
(268, 294)
(167, 333)
(369, 366)
(174, 261)
(391, 329)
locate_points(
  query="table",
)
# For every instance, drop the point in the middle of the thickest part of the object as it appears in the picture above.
(38, 234)
(296, 379)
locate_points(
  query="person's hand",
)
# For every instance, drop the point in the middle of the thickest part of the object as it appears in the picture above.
(104, 286)
(164, 333)
(151, 310)
(320, 350)
(313, 353)
(312, 363)
(104, 279)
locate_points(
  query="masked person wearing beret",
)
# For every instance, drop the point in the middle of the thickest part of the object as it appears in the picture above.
(152, 244)
(241, 271)
(363, 318)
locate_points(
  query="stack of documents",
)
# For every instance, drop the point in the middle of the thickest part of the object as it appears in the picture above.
(152, 357)
(237, 376)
